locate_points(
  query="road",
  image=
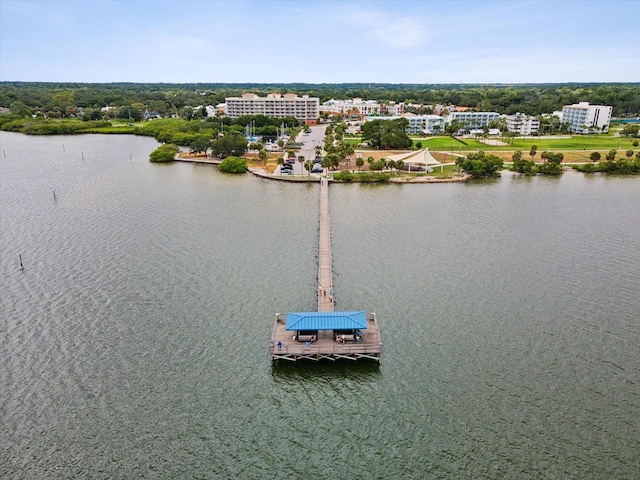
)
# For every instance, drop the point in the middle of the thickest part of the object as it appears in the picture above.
(310, 140)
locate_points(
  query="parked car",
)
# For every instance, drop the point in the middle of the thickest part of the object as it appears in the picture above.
(317, 168)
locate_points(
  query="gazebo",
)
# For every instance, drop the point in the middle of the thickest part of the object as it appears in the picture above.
(419, 158)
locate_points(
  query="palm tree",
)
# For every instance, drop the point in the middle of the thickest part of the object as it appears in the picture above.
(308, 165)
(280, 162)
(263, 155)
(301, 159)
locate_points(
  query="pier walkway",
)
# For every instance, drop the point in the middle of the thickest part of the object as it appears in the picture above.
(348, 343)
(325, 276)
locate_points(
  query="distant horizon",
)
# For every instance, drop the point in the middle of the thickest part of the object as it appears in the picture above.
(456, 42)
(116, 82)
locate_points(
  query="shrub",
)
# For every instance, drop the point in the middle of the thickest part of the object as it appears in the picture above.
(233, 165)
(366, 177)
(164, 153)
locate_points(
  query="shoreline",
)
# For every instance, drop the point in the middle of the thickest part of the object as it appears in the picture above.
(259, 172)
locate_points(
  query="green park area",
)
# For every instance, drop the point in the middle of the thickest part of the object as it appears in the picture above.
(565, 142)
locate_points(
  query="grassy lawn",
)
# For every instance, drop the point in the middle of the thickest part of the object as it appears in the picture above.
(575, 142)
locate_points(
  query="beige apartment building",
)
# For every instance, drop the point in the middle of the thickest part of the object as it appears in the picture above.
(305, 108)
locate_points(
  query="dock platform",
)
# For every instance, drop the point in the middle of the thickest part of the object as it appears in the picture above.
(325, 347)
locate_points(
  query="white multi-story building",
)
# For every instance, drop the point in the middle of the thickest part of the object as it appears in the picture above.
(472, 120)
(395, 109)
(420, 124)
(522, 124)
(583, 117)
(305, 108)
(363, 107)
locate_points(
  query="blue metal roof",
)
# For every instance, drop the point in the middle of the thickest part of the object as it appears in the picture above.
(326, 321)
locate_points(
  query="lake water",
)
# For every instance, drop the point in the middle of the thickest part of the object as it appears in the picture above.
(134, 342)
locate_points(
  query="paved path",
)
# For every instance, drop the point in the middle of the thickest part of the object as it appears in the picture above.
(325, 276)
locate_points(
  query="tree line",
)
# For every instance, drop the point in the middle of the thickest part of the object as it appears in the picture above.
(133, 99)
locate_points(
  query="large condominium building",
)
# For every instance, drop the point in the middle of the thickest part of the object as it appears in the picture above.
(583, 117)
(305, 108)
(472, 120)
(522, 124)
(344, 107)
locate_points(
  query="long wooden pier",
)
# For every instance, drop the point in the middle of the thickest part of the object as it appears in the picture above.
(325, 344)
(325, 275)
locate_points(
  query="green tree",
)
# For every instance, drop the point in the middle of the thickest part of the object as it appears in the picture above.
(520, 164)
(377, 165)
(233, 164)
(630, 130)
(594, 157)
(611, 156)
(164, 153)
(532, 152)
(387, 134)
(359, 163)
(480, 165)
(201, 144)
(232, 143)
(263, 155)
(552, 163)
(629, 154)
(19, 109)
(308, 166)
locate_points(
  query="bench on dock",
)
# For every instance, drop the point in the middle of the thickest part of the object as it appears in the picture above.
(346, 337)
(305, 338)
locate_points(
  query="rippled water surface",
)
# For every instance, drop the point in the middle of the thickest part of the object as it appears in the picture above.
(134, 342)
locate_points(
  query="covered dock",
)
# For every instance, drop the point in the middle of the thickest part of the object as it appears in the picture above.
(325, 336)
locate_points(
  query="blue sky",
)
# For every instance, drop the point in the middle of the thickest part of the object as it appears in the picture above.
(532, 41)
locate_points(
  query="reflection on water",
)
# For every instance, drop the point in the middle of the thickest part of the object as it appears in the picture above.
(359, 372)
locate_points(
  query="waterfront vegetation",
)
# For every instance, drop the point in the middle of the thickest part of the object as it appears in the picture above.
(480, 165)
(233, 165)
(164, 153)
(346, 176)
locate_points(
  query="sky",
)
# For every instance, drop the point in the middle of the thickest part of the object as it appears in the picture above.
(336, 41)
